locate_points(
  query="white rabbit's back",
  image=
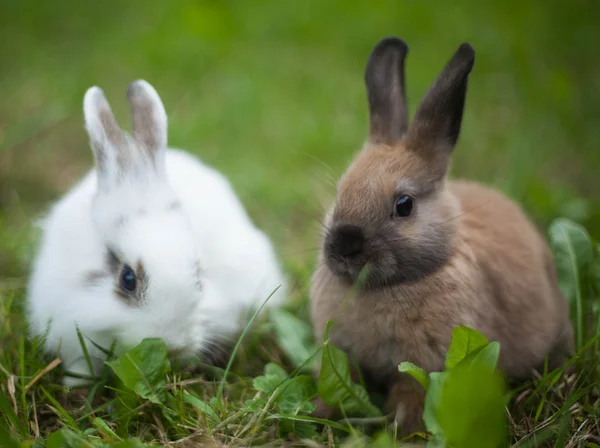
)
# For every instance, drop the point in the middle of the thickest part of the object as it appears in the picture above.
(235, 250)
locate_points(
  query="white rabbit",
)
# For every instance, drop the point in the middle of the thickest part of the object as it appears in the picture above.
(151, 243)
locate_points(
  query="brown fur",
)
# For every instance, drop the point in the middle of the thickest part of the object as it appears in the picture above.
(486, 266)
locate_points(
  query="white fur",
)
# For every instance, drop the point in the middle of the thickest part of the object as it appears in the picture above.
(175, 220)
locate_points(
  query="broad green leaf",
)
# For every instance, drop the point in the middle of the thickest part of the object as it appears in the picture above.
(296, 395)
(436, 441)
(573, 254)
(335, 385)
(383, 440)
(465, 340)
(143, 368)
(273, 378)
(302, 430)
(432, 399)
(295, 338)
(573, 251)
(73, 440)
(486, 355)
(55, 440)
(131, 443)
(266, 384)
(272, 369)
(291, 395)
(595, 280)
(416, 372)
(255, 404)
(470, 409)
(202, 407)
(6, 439)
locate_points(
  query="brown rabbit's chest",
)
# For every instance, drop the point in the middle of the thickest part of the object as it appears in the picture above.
(381, 331)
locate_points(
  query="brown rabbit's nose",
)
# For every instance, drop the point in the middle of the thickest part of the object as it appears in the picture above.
(347, 241)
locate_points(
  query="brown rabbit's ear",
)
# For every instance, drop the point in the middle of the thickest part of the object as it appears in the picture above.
(384, 79)
(438, 119)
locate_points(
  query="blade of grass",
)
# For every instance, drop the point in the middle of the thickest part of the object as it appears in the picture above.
(305, 418)
(237, 346)
(53, 364)
(97, 410)
(22, 374)
(9, 413)
(59, 410)
(86, 353)
(104, 429)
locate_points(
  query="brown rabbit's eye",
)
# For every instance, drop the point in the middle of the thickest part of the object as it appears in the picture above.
(128, 279)
(404, 205)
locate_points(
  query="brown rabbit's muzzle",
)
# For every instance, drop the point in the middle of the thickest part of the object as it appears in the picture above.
(384, 256)
(349, 250)
(346, 250)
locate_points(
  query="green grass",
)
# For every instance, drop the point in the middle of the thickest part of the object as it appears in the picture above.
(271, 94)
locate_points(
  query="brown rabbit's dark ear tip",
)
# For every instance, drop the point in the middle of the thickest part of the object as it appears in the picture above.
(465, 55)
(391, 42)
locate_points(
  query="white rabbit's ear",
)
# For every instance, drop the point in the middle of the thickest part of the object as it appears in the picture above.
(118, 155)
(105, 134)
(148, 116)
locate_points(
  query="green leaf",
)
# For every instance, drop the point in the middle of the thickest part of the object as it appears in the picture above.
(272, 369)
(202, 407)
(573, 254)
(335, 385)
(302, 430)
(486, 355)
(295, 338)
(596, 269)
(573, 251)
(470, 410)
(73, 440)
(143, 368)
(7, 440)
(416, 372)
(273, 377)
(55, 440)
(432, 399)
(383, 440)
(131, 443)
(292, 395)
(295, 395)
(465, 340)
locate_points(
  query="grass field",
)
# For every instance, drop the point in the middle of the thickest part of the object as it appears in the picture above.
(271, 94)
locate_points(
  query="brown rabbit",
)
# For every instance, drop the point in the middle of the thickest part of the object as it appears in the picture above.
(433, 254)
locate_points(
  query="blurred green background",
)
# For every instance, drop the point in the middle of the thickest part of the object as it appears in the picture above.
(271, 93)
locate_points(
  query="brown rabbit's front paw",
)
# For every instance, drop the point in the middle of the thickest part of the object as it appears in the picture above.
(409, 420)
(322, 410)
(406, 400)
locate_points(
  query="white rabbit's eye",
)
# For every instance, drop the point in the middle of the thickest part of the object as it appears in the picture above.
(403, 206)
(128, 279)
